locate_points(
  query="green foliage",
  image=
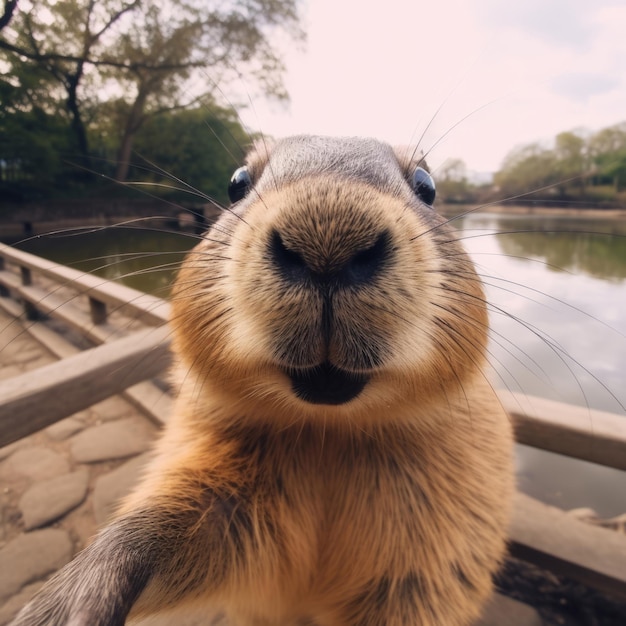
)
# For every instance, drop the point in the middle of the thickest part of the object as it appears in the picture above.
(577, 168)
(200, 147)
(35, 138)
(608, 152)
(82, 78)
(30, 144)
(527, 168)
(452, 184)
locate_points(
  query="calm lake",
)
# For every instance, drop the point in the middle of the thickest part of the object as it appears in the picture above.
(557, 288)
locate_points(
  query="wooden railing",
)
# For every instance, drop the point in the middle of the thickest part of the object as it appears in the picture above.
(541, 534)
(101, 294)
(98, 310)
(79, 381)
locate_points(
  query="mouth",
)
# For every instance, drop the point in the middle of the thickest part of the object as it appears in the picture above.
(326, 384)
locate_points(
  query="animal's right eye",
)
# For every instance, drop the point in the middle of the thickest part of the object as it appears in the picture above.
(240, 184)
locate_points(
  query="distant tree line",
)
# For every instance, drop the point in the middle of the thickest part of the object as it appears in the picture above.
(578, 168)
(99, 90)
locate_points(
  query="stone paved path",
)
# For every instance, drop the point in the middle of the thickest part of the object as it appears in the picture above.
(59, 485)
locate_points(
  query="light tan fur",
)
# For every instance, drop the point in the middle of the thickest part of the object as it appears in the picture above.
(390, 508)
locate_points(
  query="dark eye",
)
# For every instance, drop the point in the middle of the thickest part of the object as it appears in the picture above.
(424, 186)
(239, 185)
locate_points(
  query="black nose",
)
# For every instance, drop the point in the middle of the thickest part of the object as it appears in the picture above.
(357, 270)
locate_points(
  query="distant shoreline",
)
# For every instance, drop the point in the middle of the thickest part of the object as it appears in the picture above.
(546, 211)
(18, 227)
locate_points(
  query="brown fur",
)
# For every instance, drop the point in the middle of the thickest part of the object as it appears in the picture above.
(390, 508)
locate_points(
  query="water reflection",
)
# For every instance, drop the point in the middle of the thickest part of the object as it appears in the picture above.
(593, 247)
(558, 318)
(138, 257)
(558, 313)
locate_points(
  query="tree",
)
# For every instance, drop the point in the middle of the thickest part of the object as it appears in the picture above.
(608, 153)
(166, 56)
(452, 183)
(30, 142)
(60, 37)
(200, 146)
(525, 170)
(34, 133)
(571, 160)
(7, 13)
(151, 57)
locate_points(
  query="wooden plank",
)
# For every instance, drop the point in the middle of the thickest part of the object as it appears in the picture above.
(9, 279)
(149, 309)
(55, 305)
(145, 396)
(51, 340)
(152, 401)
(556, 541)
(33, 401)
(586, 434)
(59, 307)
(11, 307)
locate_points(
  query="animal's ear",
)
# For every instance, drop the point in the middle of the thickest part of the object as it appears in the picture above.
(259, 155)
(410, 158)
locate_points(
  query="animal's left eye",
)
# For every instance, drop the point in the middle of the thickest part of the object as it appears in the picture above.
(423, 186)
(240, 184)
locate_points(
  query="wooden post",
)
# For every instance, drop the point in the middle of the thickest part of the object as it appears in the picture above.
(4, 292)
(30, 309)
(27, 277)
(98, 311)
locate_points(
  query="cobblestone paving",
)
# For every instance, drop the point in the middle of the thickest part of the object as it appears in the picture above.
(58, 485)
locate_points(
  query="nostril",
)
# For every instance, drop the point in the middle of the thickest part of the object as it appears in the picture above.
(365, 264)
(289, 263)
(358, 270)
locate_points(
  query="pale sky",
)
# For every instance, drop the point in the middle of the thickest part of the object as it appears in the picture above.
(522, 72)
